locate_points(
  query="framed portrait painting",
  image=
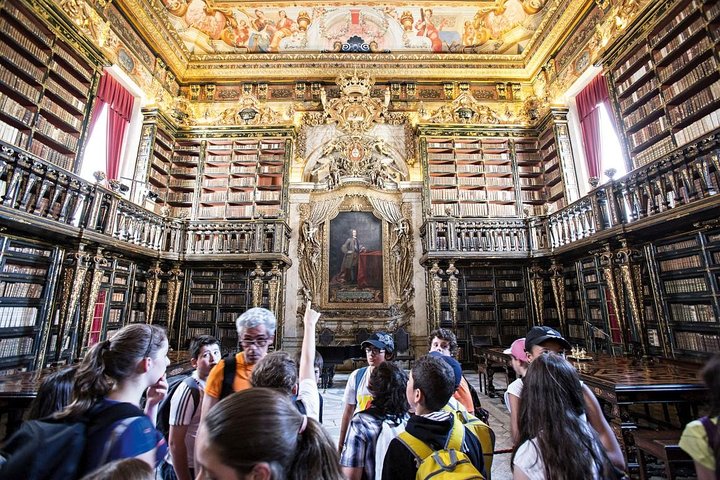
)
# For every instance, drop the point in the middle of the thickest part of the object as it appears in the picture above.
(355, 267)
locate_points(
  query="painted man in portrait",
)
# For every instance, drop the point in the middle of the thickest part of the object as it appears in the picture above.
(351, 252)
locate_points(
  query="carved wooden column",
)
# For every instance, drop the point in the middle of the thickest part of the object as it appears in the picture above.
(274, 291)
(608, 267)
(151, 292)
(537, 292)
(72, 283)
(257, 285)
(435, 294)
(453, 292)
(100, 261)
(173, 296)
(557, 281)
(627, 258)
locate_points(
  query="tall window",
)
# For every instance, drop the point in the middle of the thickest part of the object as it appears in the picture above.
(95, 156)
(599, 137)
(610, 148)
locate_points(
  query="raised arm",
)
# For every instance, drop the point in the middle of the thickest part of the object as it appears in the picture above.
(307, 354)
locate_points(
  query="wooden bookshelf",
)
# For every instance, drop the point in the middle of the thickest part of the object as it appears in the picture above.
(27, 280)
(667, 85)
(216, 297)
(492, 302)
(45, 87)
(688, 269)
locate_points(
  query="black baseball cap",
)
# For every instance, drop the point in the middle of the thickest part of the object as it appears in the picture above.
(540, 334)
(380, 340)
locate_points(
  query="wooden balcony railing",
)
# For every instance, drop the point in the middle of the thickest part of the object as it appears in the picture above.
(684, 181)
(35, 191)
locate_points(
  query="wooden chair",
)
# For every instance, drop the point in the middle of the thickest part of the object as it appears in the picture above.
(662, 445)
(402, 347)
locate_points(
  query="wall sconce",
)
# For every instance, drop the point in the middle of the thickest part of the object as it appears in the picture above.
(247, 114)
(152, 196)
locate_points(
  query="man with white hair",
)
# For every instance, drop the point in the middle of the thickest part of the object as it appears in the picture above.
(256, 331)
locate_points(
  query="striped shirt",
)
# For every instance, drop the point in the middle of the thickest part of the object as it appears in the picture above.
(184, 411)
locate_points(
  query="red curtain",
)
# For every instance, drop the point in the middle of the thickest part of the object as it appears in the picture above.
(120, 103)
(588, 104)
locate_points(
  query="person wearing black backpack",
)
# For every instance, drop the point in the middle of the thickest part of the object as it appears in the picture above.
(179, 413)
(104, 421)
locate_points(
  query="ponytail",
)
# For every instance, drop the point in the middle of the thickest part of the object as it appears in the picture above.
(112, 361)
(315, 455)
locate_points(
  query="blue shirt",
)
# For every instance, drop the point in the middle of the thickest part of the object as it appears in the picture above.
(125, 438)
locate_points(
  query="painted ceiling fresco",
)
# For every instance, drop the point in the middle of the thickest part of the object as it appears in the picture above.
(505, 27)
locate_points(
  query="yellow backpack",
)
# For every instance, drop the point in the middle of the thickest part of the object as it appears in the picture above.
(480, 429)
(448, 463)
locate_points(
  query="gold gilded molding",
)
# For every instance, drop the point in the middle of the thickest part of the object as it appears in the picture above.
(465, 109)
(557, 281)
(247, 110)
(355, 111)
(537, 290)
(627, 258)
(152, 289)
(451, 271)
(72, 287)
(173, 296)
(99, 261)
(608, 268)
(257, 285)
(435, 295)
(274, 284)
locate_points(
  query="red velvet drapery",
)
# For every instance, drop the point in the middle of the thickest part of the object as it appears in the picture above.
(588, 104)
(120, 104)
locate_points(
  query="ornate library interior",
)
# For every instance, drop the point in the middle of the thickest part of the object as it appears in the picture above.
(483, 167)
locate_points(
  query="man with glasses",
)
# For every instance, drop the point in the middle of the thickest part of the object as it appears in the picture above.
(256, 331)
(378, 348)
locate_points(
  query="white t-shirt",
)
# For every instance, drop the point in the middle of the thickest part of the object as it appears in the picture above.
(308, 393)
(515, 388)
(529, 459)
(351, 396)
(184, 411)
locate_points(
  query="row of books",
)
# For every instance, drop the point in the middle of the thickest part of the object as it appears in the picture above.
(12, 347)
(699, 342)
(692, 312)
(660, 35)
(12, 317)
(685, 285)
(20, 289)
(695, 104)
(680, 263)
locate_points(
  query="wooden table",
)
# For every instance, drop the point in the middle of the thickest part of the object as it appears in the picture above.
(620, 382)
(492, 360)
(19, 390)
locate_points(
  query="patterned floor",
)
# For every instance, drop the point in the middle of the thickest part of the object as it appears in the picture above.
(499, 419)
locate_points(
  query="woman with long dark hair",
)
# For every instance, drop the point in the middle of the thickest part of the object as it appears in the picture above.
(701, 438)
(362, 453)
(112, 377)
(259, 433)
(555, 440)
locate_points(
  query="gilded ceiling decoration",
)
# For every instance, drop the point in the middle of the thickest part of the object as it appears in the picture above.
(499, 26)
(212, 40)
